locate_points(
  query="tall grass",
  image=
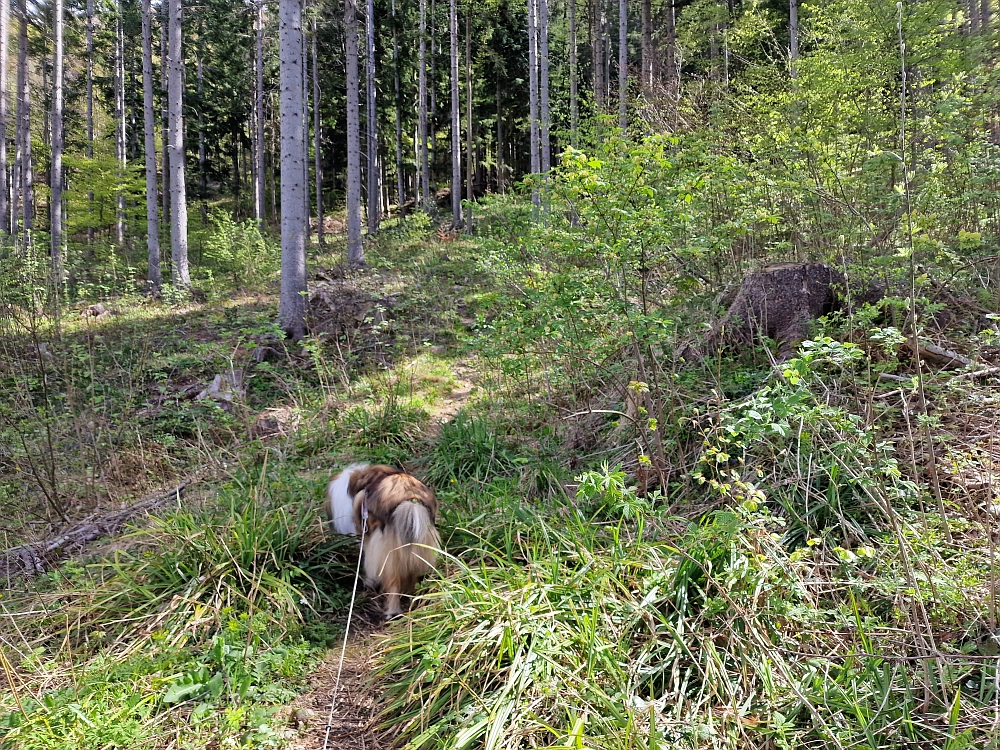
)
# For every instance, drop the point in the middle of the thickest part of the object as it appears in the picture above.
(620, 628)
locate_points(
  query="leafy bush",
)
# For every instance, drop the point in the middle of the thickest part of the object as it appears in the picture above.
(240, 249)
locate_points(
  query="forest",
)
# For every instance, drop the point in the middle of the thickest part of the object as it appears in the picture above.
(687, 312)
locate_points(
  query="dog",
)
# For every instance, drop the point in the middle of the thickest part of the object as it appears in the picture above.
(397, 512)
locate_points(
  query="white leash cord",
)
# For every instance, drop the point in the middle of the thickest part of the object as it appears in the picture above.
(347, 628)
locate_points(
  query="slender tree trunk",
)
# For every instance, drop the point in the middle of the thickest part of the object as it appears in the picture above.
(673, 78)
(4, 51)
(120, 146)
(202, 176)
(26, 187)
(318, 135)
(422, 106)
(178, 193)
(533, 91)
(543, 83)
(374, 189)
(623, 64)
(433, 101)
(56, 169)
(355, 249)
(500, 143)
(456, 135)
(294, 190)
(974, 21)
(258, 107)
(400, 190)
(596, 52)
(153, 276)
(793, 35)
(165, 114)
(469, 141)
(574, 96)
(646, 78)
(986, 14)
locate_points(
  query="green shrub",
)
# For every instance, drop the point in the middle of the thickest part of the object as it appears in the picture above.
(240, 249)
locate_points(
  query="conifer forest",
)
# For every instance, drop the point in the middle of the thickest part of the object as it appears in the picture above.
(686, 313)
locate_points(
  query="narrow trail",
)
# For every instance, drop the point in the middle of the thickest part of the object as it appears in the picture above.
(356, 709)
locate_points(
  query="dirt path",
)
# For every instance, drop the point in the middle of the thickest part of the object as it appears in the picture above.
(353, 722)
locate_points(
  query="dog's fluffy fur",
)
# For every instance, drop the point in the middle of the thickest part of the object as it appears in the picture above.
(401, 541)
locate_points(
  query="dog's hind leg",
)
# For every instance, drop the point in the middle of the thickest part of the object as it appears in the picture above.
(391, 591)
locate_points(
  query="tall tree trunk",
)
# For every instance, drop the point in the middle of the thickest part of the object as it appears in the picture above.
(120, 146)
(500, 143)
(793, 35)
(623, 64)
(456, 135)
(543, 83)
(4, 186)
(574, 96)
(974, 9)
(374, 189)
(596, 52)
(985, 14)
(26, 186)
(165, 112)
(56, 169)
(294, 190)
(153, 275)
(307, 205)
(178, 192)
(533, 91)
(355, 249)
(258, 107)
(646, 78)
(673, 76)
(318, 135)
(469, 141)
(422, 107)
(400, 190)
(202, 176)
(433, 101)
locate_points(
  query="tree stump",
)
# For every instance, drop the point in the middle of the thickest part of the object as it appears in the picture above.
(779, 301)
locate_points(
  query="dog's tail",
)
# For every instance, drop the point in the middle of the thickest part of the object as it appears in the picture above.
(417, 538)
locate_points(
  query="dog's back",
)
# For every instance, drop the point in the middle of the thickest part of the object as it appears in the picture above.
(401, 541)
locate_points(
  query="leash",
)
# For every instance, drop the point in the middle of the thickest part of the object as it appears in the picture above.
(347, 629)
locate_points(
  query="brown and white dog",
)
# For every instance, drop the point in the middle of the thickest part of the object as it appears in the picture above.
(401, 540)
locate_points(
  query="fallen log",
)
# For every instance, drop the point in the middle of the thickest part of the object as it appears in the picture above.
(34, 558)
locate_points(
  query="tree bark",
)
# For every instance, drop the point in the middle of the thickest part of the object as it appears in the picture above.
(673, 77)
(400, 189)
(258, 107)
(646, 78)
(26, 179)
(374, 173)
(56, 169)
(793, 35)
(317, 135)
(178, 193)
(543, 83)
(469, 141)
(165, 112)
(533, 92)
(153, 275)
(623, 64)
(355, 249)
(422, 106)
(292, 307)
(596, 52)
(456, 135)
(986, 13)
(120, 147)
(4, 187)
(574, 96)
